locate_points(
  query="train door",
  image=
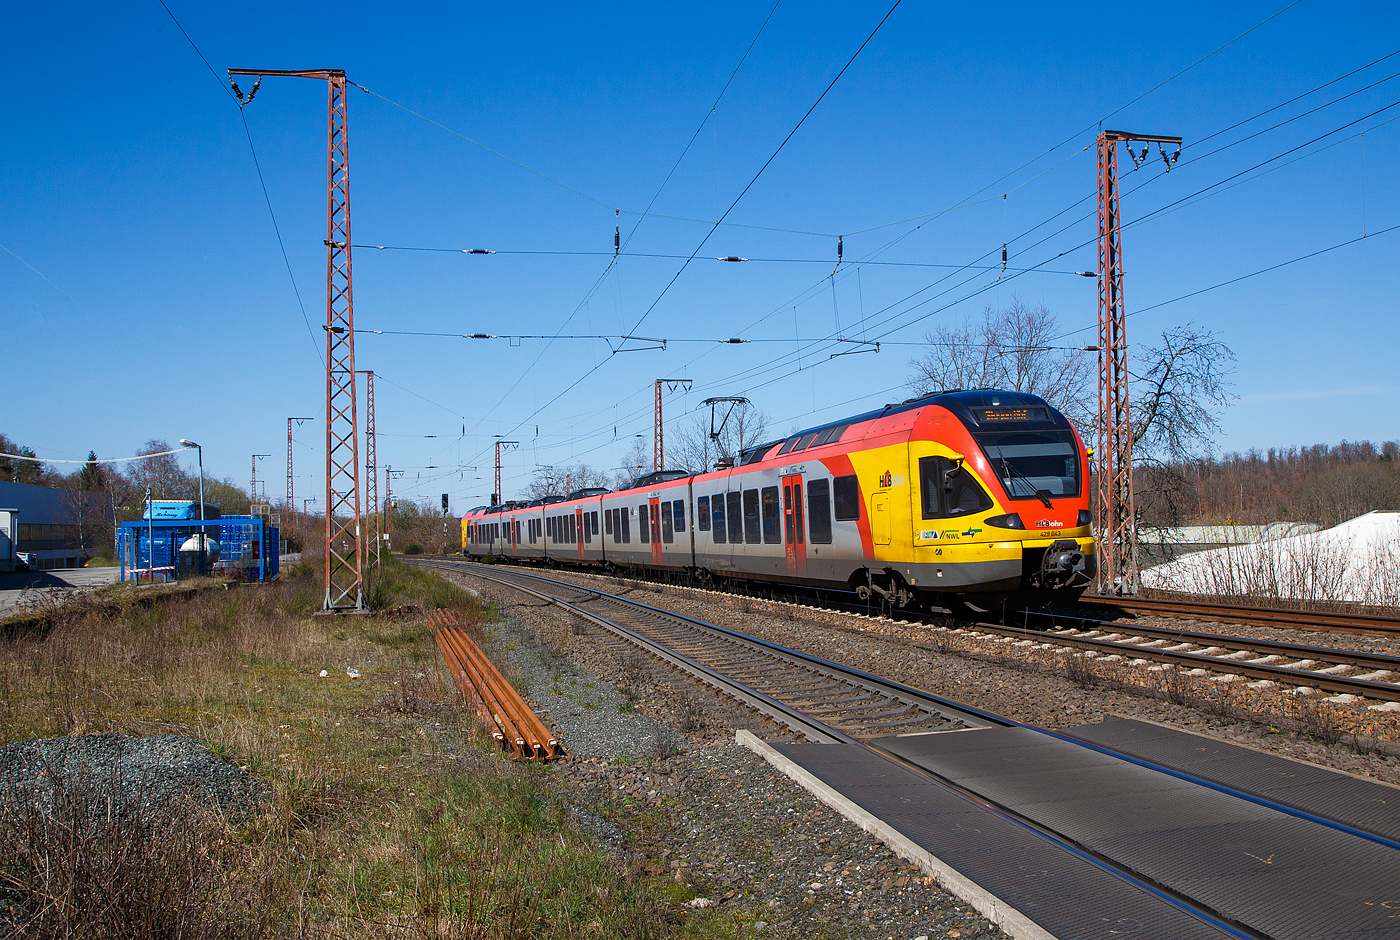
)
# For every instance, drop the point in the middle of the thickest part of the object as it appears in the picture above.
(880, 518)
(579, 523)
(654, 521)
(794, 541)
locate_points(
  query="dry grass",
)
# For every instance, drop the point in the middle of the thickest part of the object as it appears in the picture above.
(388, 815)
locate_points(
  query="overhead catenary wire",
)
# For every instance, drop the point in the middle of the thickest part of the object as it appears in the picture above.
(1026, 269)
(159, 453)
(728, 259)
(1245, 277)
(1099, 123)
(773, 366)
(618, 244)
(261, 182)
(726, 213)
(864, 319)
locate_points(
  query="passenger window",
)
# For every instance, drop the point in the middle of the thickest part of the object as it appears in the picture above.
(680, 516)
(665, 512)
(607, 522)
(643, 528)
(788, 445)
(587, 529)
(625, 515)
(752, 534)
(733, 503)
(806, 442)
(847, 498)
(718, 516)
(702, 513)
(594, 523)
(772, 532)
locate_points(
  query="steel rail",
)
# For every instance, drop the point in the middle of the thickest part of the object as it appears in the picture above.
(792, 717)
(891, 691)
(1376, 690)
(1366, 688)
(771, 708)
(1229, 613)
(497, 702)
(1330, 654)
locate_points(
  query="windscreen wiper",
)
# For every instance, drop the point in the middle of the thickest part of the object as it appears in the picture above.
(1042, 495)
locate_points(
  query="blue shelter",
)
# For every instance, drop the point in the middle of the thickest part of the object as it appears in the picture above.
(170, 548)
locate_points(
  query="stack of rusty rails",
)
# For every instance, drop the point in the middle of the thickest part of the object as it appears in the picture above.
(500, 707)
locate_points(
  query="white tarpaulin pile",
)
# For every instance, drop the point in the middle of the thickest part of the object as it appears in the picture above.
(1357, 561)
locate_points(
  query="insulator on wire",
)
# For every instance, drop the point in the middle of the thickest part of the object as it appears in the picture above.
(1003, 257)
(838, 249)
(617, 240)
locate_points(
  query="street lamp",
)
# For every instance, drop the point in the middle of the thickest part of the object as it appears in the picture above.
(188, 443)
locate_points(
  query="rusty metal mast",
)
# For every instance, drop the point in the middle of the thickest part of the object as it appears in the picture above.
(1117, 534)
(496, 496)
(291, 501)
(256, 458)
(371, 469)
(658, 458)
(343, 553)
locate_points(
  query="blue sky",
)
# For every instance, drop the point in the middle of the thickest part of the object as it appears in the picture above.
(144, 295)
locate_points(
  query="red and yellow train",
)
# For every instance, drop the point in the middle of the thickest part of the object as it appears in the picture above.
(970, 498)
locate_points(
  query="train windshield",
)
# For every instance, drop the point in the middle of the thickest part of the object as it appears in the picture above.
(1033, 464)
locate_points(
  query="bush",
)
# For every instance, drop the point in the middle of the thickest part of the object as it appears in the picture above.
(76, 869)
(413, 548)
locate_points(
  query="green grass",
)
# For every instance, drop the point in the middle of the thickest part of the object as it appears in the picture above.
(389, 809)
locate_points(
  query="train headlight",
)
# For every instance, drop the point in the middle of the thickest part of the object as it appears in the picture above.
(1011, 520)
(1085, 518)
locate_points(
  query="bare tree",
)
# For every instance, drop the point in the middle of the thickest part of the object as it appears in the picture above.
(693, 449)
(1013, 349)
(1179, 389)
(90, 512)
(162, 474)
(634, 463)
(563, 480)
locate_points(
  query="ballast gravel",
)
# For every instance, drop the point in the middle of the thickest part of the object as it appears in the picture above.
(654, 774)
(710, 815)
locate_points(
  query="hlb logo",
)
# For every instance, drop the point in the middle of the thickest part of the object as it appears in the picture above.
(890, 479)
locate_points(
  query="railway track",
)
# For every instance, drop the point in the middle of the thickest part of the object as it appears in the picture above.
(1263, 616)
(789, 688)
(828, 703)
(1351, 672)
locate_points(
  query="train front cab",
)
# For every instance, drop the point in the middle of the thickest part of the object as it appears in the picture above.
(992, 508)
